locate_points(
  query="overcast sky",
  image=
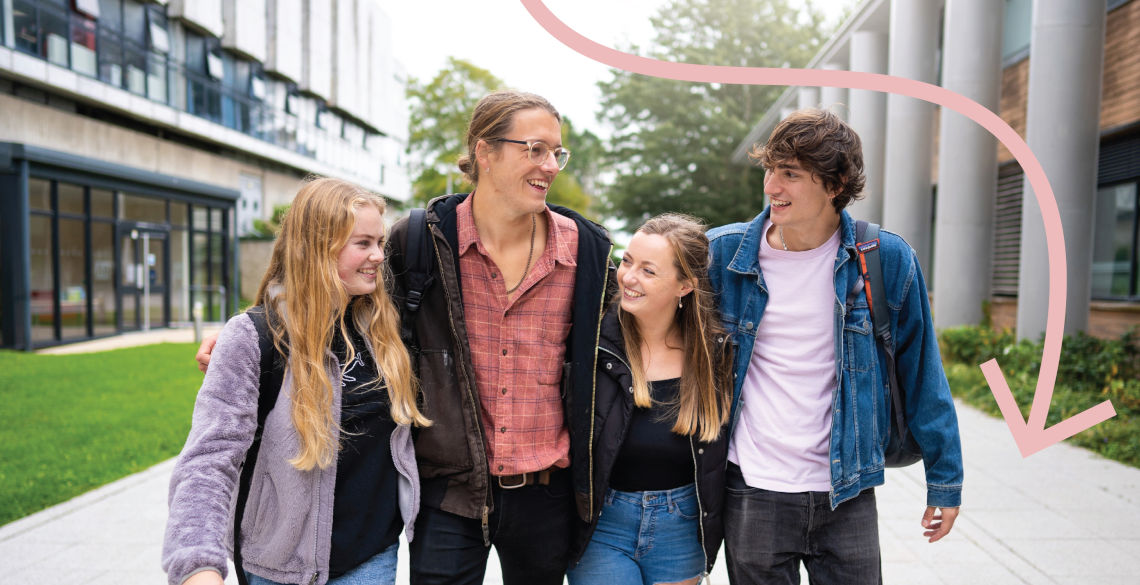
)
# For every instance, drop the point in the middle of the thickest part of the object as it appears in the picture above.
(500, 36)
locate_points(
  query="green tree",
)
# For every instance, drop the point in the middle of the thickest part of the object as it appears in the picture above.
(437, 125)
(673, 141)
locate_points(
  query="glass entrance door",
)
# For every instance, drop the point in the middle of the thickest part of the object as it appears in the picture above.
(144, 297)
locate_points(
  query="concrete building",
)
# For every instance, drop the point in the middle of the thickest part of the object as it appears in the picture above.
(139, 141)
(1066, 75)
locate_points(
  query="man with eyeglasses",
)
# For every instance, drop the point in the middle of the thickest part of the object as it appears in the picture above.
(505, 373)
(504, 344)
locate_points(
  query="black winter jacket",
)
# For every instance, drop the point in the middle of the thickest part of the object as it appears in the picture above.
(451, 453)
(614, 411)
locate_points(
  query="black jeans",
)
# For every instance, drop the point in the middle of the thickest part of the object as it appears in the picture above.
(530, 527)
(767, 534)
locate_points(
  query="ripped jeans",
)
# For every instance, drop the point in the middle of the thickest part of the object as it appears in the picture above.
(647, 537)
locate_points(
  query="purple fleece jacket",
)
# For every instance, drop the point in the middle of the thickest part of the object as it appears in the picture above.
(287, 526)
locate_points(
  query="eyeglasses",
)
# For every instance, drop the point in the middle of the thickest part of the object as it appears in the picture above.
(538, 151)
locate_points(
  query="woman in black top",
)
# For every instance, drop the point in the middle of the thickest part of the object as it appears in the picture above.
(658, 446)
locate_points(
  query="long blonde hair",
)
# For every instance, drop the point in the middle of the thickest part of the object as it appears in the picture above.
(705, 393)
(306, 302)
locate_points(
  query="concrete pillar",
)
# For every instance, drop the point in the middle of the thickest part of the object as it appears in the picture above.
(808, 98)
(967, 168)
(910, 126)
(1066, 62)
(868, 116)
(834, 98)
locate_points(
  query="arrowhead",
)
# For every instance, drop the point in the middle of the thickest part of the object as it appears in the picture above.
(1031, 440)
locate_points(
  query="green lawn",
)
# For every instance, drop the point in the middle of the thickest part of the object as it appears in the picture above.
(71, 423)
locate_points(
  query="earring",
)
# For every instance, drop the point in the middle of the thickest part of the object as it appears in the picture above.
(680, 305)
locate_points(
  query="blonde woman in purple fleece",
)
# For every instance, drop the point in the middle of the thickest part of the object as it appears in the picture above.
(335, 479)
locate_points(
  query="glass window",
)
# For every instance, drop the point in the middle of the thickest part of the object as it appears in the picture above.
(102, 276)
(54, 31)
(1017, 27)
(201, 272)
(135, 64)
(70, 198)
(24, 24)
(83, 45)
(39, 194)
(145, 209)
(201, 217)
(72, 279)
(102, 203)
(110, 57)
(179, 273)
(1115, 242)
(156, 78)
(111, 14)
(42, 287)
(134, 22)
(215, 219)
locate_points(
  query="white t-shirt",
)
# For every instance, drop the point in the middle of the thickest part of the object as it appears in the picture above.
(782, 437)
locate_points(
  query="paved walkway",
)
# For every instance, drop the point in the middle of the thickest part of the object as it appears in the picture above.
(1061, 516)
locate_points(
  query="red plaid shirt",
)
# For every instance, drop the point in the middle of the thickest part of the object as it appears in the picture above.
(518, 347)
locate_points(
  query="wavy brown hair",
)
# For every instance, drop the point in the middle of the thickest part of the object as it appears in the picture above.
(824, 145)
(706, 392)
(492, 118)
(306, 303)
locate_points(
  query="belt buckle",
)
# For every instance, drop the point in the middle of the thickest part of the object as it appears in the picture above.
(515, 486)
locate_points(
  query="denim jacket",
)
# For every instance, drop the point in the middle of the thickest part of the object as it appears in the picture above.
(861, 405)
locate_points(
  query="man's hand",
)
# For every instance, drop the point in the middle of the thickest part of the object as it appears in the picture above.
(938, 522)
(205, 350)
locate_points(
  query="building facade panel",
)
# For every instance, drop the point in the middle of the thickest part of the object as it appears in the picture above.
(284, 56)
(245, 27)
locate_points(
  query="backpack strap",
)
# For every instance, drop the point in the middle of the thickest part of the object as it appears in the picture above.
(871, 267)
(268, 389)
(418, 264)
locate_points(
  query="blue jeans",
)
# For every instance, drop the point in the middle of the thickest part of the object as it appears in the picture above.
(378, 570)
(644, 537)
(767, 534)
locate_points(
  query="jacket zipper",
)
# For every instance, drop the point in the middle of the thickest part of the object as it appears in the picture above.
(594, 382)
(700, 509)
(471, 398)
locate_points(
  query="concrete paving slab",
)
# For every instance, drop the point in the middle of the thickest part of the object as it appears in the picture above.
(1061, 516)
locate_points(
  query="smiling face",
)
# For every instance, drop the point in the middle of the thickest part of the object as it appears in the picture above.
(358, 262)
(798, 198)
(648, 278)
(512, 180)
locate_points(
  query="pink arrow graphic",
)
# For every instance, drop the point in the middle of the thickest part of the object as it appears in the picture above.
(1030, 435)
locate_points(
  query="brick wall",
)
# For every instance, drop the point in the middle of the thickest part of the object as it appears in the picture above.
(1120, 92)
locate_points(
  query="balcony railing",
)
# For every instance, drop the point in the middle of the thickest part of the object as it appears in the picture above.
(74, 41)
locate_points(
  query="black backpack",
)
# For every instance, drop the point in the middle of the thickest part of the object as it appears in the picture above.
(269, 387)
(901, 450)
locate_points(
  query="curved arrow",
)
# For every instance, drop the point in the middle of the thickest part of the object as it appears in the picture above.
(1030, 435)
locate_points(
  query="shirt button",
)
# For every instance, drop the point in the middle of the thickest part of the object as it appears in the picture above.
(630, 389)
(700, 451)
(504, 390)
(500, 468)
(494, 275)
(503, 430)
(504, 352)
(609, 365)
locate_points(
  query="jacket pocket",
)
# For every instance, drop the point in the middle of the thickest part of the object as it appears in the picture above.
(278, 510)
(445, 443)
(859, 340)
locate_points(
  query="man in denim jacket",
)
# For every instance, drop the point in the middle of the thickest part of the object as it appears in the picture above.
(811, 400)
